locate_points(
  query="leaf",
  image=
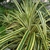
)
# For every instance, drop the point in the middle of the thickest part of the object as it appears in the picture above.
(44, 40)
(43, 22)
(31, 42)
(9, 36)
(23, 40)
(17, 5)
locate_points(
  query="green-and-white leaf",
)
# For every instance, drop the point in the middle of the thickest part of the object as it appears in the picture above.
(31, 42)
(23, 40)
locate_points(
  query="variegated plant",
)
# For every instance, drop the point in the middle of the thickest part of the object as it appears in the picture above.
(30, 31)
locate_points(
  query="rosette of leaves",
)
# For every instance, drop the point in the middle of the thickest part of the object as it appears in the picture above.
(30, 31)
